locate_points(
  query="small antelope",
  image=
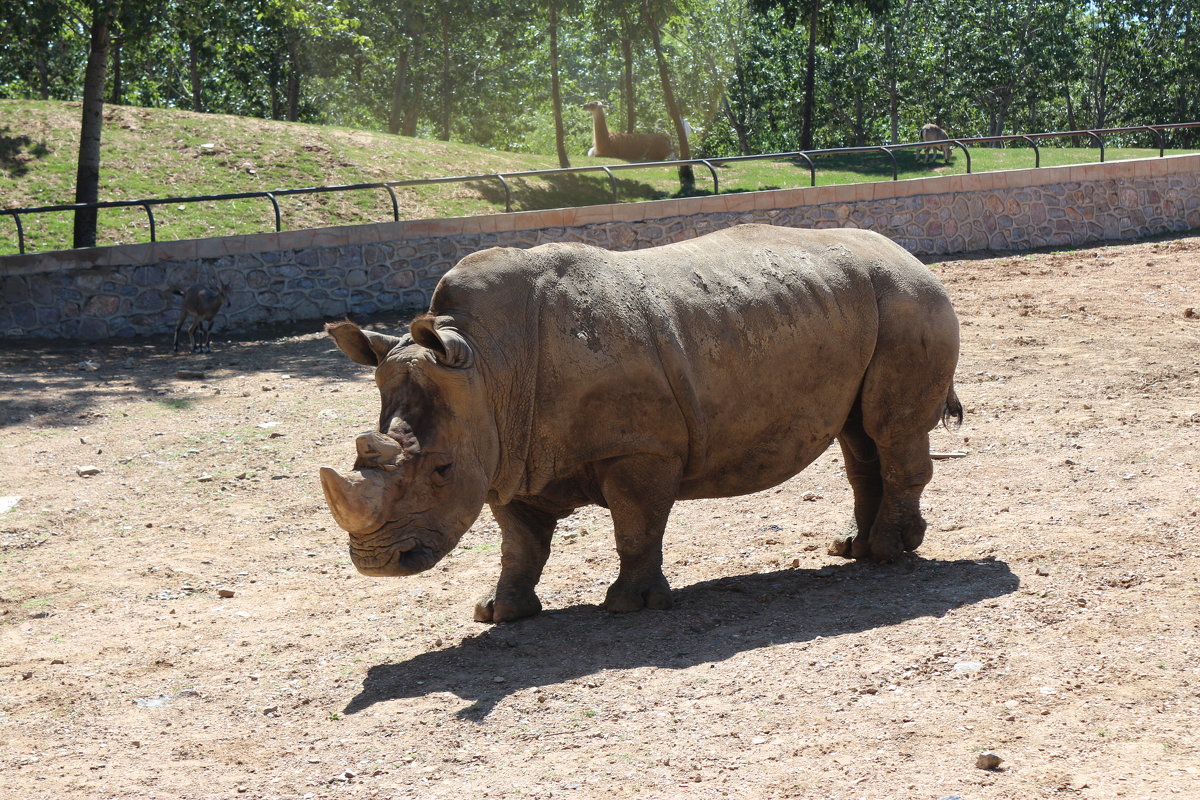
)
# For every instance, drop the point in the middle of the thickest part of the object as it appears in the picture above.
(933, 133)
(202, 304)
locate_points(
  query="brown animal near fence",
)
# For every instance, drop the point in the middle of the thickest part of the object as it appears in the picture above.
(627, 146)
(933, 133)
(200, 304)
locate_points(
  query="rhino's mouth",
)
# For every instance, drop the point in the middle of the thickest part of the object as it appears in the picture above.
(407, 555)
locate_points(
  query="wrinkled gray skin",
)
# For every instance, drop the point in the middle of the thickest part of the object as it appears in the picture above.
(547, 379)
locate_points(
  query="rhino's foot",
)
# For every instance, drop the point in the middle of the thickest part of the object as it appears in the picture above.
(628, 595)
(878, 546)
(507, 607)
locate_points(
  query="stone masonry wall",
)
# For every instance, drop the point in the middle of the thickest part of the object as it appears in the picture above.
(362, 270)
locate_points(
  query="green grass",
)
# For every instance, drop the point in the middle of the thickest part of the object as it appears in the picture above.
(159, 153)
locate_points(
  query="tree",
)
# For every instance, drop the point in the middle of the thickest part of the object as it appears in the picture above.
(560, 139)
(653, 15)
(87, 173)
(811, 11)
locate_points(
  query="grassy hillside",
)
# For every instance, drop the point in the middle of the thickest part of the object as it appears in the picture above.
(151, 153)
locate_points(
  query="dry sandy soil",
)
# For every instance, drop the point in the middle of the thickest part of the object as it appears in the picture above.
(185, 623)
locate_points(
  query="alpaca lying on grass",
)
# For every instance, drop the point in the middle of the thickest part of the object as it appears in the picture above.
(627, 146)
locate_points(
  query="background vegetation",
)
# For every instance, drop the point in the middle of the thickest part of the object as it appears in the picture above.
(749, 76)
(477, 71)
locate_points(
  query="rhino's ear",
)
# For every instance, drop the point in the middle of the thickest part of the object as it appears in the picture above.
(364, 347)
(448, 344)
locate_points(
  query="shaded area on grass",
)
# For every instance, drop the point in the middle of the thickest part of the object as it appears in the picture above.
(712, 621)
(16, 151)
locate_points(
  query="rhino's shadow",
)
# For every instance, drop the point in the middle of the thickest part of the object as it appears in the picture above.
(711, 621)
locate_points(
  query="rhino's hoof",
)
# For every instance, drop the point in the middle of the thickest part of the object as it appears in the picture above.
(624, 597)
(841, 546)
(490, 609)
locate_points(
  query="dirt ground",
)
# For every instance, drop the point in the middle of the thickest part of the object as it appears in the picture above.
(186, 624)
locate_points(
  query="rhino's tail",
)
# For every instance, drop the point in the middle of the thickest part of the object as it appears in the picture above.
(952, 409)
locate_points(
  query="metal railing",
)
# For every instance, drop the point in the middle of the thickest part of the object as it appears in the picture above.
(1032, 139)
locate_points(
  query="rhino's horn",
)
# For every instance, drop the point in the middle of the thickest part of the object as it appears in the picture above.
(375, 448)
(356, 503)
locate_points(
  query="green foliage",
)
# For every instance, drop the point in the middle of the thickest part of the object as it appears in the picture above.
(476, 71)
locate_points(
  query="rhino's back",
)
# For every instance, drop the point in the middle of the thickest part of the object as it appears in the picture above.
(740, 352)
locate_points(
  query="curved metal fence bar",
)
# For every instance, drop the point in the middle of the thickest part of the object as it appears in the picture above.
(150, 215)
(712, 171)
(395, 203)
(966, 153)
(1158, 135)
(1037, 153)
(1031, 139)
(20, 231)
(612, 182)
(275, 205)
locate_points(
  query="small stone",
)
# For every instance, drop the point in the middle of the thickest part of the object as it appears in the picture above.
(225, 593)
(26, 676)
(1190, 313)
(810, 496)
(57, 661)
(190, 374)
(271, 710)
(988, 760)
(968, 666)
(205, 478)
(498, 679)
(87, 470)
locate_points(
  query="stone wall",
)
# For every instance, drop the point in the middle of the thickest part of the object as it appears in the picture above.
(329, 273)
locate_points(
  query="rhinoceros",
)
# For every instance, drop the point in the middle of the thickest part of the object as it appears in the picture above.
(564, 375)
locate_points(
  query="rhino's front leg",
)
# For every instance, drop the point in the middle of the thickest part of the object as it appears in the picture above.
(524, 547)
(640, 491)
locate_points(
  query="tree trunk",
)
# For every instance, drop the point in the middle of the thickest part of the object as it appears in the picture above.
(444, 115)
(687, 178)
(810, 79)
(1070, 111)
(115, 97)
(560, 137)
(194, 76)
(627, 81)
(892, 91)
(400, 92)
(43, 71)
(740, 128)
(293, 77)
(87, 175)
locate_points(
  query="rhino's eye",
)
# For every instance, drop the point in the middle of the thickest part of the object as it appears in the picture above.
(442, 473)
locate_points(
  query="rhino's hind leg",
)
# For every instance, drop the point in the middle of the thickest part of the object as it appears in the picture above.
(862, 469)
(524, 547)
(640, 491)
(899, 526)
(887, 479)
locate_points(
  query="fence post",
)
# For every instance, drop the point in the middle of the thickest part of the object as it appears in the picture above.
(395, 203)
(612, 182)
(812, 169)
(275, 205)
(150, 214)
